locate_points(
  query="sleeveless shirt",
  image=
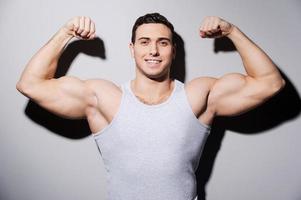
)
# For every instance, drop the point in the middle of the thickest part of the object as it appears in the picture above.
(151, 152)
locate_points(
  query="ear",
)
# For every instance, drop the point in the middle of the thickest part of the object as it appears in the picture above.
(131, 46)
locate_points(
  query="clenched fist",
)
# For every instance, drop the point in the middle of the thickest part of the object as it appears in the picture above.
(81, 27)
(215, 27)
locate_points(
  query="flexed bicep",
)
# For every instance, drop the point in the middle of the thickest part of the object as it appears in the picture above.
(234, 94)
(67, 96)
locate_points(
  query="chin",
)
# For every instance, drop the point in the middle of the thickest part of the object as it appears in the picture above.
(160, 76)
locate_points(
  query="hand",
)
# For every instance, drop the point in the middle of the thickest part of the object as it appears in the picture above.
(81, 27)
(215, 27)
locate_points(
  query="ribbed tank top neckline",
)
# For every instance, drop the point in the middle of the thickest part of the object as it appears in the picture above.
(176, 85)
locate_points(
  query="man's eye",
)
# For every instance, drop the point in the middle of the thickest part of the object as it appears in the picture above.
(163, 43)
(143, 42)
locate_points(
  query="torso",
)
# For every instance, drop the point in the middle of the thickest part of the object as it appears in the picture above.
(197, 92)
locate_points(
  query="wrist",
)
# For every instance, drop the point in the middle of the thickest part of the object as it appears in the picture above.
(233, 33)
(62, 36)
(65, 33)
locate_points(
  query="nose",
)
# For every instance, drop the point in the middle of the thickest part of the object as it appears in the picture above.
(154, 50)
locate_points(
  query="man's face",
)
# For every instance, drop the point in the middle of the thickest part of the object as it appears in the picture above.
(153, 50)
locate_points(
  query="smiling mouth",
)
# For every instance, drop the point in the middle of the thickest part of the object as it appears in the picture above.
(153, 61)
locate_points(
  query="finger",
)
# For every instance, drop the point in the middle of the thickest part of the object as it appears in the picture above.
(75, 23)
(86, 30)
(208, 29)
(91, 37)
(210, 23)
(201, 30)
(204, 23)
(215, 25)
(92, 29)
(81, 25)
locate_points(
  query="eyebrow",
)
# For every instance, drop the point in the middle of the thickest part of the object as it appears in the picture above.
(159, 39)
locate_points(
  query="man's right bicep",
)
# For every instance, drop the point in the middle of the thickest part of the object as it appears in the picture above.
(67, 96)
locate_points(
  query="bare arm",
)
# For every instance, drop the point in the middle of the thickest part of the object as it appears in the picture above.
(235, 93)
(66, 96)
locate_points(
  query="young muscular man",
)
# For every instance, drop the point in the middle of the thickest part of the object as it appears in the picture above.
(150, 130)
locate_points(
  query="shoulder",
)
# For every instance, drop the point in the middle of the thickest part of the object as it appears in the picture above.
(197, 91)
(101, 83)
(103, 86)
(200, 84)
(106, 91)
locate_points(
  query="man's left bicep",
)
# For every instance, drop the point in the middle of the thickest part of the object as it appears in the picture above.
(234, 94)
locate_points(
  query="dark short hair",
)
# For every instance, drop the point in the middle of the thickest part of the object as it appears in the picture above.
(152, 18)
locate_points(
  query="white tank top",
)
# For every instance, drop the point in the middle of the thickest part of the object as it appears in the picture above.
(151, 152)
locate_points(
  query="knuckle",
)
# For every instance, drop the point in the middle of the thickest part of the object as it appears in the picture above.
(84, 32)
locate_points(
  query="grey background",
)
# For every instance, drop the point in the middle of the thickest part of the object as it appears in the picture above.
(37, 163)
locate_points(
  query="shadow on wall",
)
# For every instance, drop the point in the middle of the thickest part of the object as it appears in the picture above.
(284, 106)
(178, 67)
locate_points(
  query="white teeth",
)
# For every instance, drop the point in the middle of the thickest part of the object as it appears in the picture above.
(153, 61)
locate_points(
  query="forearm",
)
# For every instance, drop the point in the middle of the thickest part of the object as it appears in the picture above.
(43, 64)
(257, 63)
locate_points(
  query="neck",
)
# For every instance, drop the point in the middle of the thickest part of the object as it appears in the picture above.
(152, 91)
